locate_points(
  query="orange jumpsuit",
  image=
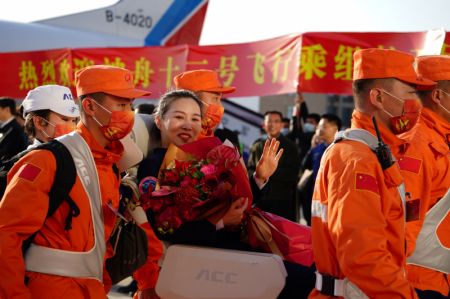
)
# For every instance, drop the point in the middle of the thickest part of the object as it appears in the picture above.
(359, 230)
(416, 167)
(432, 133)
(23, 210)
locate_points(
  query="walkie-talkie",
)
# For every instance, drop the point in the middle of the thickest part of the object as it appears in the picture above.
(382, 151)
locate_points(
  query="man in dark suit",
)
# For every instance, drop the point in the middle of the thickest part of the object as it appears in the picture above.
(12, 136)
(280, 196)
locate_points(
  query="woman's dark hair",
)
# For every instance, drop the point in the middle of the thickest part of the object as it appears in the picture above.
(30, 129)
(169, 97)
(164, 105)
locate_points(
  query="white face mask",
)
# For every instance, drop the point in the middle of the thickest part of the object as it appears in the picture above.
(104, 108)
(309, 128)
(45, 132)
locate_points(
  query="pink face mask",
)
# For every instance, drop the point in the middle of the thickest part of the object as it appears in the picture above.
(120, 124)
(408, 119)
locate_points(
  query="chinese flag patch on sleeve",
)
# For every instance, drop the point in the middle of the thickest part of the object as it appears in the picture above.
(29, 172)
(366, 182)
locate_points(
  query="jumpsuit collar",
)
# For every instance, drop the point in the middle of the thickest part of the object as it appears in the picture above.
(109, 154)
(364, 121)
(435, 122)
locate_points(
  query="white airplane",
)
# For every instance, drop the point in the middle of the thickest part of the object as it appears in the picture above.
(126, 23)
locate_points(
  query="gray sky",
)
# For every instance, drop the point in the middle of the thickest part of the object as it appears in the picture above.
(235, 21)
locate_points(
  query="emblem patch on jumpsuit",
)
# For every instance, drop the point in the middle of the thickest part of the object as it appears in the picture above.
(29, 172)
(366, 182)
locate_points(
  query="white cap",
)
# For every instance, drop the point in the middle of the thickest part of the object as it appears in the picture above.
(57, 98)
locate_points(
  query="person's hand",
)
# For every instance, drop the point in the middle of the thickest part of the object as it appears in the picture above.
(147, 294)
(235, 212)
(299, 99)
(315, 140)
(268, 162)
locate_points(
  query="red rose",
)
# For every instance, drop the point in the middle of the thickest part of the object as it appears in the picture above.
(208, 170)
(182, 166)
(171, 177)
(186, 182)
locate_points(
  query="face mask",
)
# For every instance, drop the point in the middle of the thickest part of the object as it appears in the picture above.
(212, 119)
(60, 129)
(309, 128)
(409, 117)
(120, 124)
(284, 131)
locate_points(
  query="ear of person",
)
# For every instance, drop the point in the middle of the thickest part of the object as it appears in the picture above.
(375, 98)
(88, 106)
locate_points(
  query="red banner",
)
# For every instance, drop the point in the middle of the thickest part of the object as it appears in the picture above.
(323, 65)
(327, 58)
(23, 71)
(260, 68)
(153, 67)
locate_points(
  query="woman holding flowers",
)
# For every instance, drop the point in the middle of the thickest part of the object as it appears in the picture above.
(178, 120)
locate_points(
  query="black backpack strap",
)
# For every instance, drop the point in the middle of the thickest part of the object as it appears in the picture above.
(65, 177)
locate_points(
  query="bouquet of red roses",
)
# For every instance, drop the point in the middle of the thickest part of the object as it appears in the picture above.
(196, 181)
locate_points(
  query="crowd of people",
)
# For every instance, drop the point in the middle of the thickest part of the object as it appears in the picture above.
(375, 195)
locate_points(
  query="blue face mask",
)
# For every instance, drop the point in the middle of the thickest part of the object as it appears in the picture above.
(285, 131)
(309, 128)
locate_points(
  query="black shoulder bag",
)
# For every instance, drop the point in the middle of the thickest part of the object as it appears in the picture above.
(130, 244)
